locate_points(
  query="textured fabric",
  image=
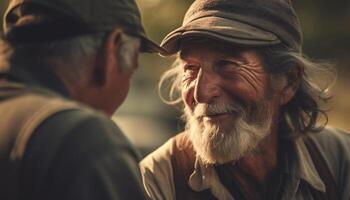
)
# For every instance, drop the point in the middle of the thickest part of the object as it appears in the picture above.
(324, 171)
(62, 154)
(183, 164)
(22, 112)
(241, 22)
(334, 146)
(89, 158)
(38, 20)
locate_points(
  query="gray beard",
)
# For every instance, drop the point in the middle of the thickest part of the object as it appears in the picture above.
(215, 146)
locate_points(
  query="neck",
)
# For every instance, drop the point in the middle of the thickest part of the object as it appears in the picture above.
(39, 77)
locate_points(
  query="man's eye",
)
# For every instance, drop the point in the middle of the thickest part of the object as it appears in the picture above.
(226, 67)
(190, 73)
(227, 64)
(191, 68)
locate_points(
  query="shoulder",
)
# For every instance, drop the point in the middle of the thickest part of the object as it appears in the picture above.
(334, 145)
(80, 132)
(332, 141)
(78, 148)
(162, 156)
(84, 129)
(157, 168)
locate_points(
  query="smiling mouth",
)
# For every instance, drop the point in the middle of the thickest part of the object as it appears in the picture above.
(218, 117)
(215, 116)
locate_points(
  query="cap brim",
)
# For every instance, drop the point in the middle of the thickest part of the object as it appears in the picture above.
(149, 46)
(219, 28)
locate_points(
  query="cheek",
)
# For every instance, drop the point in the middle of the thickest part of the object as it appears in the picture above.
(245, 88)
(123, 90)
(126, 85)
(188, 98)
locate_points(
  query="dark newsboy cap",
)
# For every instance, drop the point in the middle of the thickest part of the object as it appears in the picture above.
(242, 22)
(45, 20)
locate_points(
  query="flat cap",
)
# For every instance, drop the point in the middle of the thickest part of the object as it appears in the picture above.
(36, 20)
(241, 22)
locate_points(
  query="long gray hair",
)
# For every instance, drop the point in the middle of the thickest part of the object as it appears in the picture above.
(302, 112)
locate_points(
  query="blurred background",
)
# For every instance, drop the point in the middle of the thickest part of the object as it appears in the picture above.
(148, 122)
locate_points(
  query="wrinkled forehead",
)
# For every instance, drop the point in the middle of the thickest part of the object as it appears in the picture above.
(196, 46)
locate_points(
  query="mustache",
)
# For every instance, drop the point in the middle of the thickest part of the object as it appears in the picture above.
(202, 110)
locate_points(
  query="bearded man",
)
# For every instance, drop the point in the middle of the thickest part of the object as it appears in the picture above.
(251, 111)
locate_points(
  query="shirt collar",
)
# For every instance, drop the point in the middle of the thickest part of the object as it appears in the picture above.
(205, 177)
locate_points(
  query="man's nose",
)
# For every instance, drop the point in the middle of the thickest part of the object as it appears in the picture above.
(207, 87)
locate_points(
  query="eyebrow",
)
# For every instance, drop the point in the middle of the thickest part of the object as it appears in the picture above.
(238, 57)
(233, 52)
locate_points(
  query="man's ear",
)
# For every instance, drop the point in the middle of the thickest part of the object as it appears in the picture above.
(106, 59)
(292, 83)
